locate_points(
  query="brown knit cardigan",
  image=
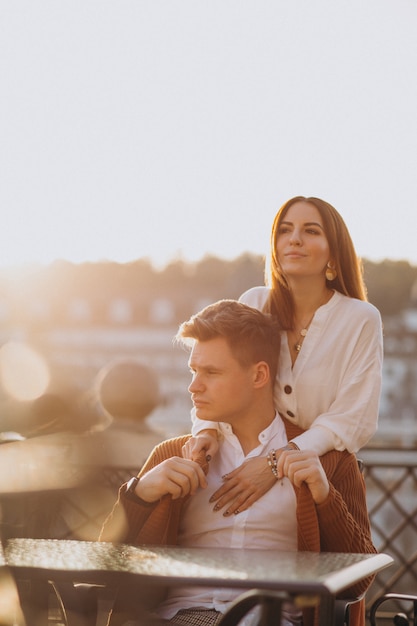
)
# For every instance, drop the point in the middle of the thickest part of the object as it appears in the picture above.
(340, 524)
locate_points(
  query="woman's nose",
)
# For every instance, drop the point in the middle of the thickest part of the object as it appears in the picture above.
(295, 237)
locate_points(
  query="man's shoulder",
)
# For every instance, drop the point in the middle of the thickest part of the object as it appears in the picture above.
(342, 460)
(171, 447)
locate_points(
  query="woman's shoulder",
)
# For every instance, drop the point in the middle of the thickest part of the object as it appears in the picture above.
(255, 296)
(355, 307)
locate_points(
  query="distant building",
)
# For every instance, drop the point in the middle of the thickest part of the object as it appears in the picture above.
(162, 311)
(79, 310)
(120, 311)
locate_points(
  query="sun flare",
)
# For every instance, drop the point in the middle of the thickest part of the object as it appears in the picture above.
(24, 374)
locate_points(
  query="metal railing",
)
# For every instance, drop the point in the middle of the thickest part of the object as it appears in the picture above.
(391, 482)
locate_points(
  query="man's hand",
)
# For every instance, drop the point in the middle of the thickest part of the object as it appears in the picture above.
(205, 440)
(175, 476)
(304, 466)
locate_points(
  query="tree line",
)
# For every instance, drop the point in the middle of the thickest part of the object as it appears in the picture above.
(22, 299)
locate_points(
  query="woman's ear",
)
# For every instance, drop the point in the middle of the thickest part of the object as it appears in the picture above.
(262, 376)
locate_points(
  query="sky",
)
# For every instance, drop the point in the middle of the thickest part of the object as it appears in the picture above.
(168, 129)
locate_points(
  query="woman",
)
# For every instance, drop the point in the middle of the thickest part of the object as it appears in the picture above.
(329, 375)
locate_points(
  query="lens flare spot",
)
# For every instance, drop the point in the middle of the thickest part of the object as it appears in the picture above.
(10, 611)
(24, 373)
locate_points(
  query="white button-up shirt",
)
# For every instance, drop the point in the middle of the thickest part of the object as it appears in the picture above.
(270, 523)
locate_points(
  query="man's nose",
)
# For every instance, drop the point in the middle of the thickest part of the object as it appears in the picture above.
(195, 385)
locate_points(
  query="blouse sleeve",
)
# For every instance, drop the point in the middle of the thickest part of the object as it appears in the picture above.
(352, 417)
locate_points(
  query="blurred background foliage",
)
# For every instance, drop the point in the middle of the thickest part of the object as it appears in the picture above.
(41, 296)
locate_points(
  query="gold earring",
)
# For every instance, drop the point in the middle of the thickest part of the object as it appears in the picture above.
(331, 273)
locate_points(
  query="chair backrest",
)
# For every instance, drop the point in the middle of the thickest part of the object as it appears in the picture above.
(399, 618)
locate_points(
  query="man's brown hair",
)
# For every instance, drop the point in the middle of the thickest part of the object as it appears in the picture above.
(252, 336)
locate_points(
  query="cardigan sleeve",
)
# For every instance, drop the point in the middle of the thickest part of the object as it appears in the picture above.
(343, 518)
(138, 522)
(125, 520)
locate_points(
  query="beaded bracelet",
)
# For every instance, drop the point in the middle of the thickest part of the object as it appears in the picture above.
(272, 462)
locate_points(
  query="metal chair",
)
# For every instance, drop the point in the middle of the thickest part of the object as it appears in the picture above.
(271, 607)
(342, 610)
(269, 601)
(399, 619)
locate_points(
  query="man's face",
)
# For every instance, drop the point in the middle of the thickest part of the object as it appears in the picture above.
(221, 389)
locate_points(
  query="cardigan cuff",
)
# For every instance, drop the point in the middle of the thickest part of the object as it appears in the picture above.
(132, 497)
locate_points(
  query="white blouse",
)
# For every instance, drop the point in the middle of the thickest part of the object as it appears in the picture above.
(333, 389)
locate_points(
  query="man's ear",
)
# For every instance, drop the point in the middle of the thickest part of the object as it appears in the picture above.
(262, 376)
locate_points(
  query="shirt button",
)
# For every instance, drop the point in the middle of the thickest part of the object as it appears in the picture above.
(290, 414)
(288, 389)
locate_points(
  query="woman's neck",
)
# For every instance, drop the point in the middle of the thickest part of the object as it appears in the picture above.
(308, 297)
(306, 303)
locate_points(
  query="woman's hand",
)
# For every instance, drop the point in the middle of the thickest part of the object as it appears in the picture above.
(243, 486)
(205, 440)
(246, 484)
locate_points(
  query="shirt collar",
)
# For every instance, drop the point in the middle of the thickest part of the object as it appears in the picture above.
(276, 427)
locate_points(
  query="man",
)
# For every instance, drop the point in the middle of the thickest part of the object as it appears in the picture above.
(315, 505)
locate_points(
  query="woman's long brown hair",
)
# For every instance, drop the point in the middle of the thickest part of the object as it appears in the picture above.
(349, 280)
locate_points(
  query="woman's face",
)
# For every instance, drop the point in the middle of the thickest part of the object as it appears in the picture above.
(301, 244)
